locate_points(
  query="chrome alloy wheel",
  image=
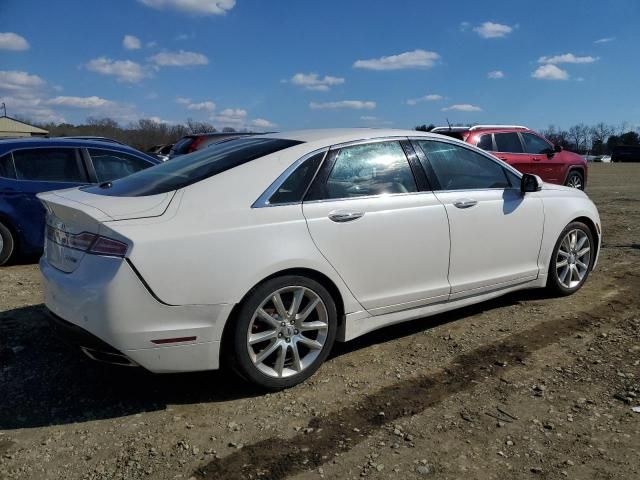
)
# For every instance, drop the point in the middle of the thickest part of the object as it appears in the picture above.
(573, 258)
(288, 331)
(575, 181)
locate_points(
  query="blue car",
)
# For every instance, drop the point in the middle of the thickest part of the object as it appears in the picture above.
(32, 165)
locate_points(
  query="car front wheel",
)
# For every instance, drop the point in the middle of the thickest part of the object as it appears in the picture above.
(572, 259)
(575, 180)
(283, 332)
(7, 244)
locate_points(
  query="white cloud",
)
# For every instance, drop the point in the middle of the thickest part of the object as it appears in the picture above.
(17, 81)
(262, 123)
(495, 75)
(550, 72)
(152, 44)
(354, 104)
(464, 26)
(311, 81)
(79, 102)
(605, 40)
(567, 58)
(231, 117)
(178, 59)
(13, 41)
(426, 98)
(493, 30)
(208, 106)
(130, 42)
(123, 70)
(413, 59)
(208, 7)
(183, 100)
(462, 107)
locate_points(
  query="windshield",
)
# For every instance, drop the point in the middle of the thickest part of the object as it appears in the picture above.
(194, 167)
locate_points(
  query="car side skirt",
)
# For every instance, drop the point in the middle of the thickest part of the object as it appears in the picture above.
(358, 323)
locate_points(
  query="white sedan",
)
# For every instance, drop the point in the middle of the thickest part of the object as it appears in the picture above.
(260, 252)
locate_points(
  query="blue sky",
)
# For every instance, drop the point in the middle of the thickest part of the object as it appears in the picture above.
(286, 64)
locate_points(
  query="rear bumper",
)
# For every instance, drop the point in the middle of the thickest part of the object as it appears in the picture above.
(104, 307)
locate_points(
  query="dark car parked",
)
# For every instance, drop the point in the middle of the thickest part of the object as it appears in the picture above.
(30, 166)
(625, 153)
(198, 141)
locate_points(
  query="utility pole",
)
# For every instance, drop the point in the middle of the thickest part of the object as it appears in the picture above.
(4, 109)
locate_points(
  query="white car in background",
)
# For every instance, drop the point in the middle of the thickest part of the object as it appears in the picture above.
(260, 252)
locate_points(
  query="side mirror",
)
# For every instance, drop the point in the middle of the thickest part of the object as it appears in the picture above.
(530, 183)
(557, 148)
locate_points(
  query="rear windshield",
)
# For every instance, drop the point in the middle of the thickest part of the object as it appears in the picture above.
(182, 145)
(191, 168)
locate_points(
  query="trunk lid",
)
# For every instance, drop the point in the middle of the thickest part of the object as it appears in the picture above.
(73, 212)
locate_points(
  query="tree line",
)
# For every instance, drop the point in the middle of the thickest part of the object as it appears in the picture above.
(598, 139)
(142, 134)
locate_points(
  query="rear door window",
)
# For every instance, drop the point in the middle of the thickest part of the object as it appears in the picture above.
(49, 165)
(111, 164)
(508, 142)
(370, 169)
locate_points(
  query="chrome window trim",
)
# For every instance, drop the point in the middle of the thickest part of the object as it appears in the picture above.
(370, 197)
(394, 138)
(263, 200)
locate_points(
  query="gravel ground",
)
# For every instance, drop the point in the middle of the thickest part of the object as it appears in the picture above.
(525, 386)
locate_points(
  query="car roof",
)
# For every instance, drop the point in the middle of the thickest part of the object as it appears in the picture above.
(332, 136)
(27, 142)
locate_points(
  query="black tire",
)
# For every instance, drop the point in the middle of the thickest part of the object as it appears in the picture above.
(8, 244)
(575, 178)
(554, 282)
(237, 349)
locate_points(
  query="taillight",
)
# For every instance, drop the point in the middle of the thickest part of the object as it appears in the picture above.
(87, 242)
(108, 246)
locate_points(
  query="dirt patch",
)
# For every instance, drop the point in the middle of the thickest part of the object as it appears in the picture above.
(524, 386)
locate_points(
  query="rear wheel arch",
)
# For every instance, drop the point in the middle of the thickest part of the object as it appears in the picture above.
(319, 277)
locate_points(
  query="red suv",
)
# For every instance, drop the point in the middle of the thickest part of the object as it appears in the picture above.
(525, 150)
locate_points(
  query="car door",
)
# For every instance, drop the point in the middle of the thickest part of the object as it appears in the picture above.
(509, 148)
(386, 237)
(40, 170)
(496, 231)
(111, 164)
(549, 165)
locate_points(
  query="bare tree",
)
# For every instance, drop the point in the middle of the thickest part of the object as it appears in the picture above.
(579, 135)
(195, 126)
(600, 133)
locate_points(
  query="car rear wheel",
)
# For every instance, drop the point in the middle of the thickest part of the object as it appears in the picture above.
(283, 332)
(572, 259)
(7, 244)
(575, 180)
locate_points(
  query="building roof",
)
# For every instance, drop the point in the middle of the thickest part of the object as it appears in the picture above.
(8, 124)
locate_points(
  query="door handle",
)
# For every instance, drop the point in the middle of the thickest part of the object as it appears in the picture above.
(465, 203)
(503, 158)
(342, 216)
(536, 159)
